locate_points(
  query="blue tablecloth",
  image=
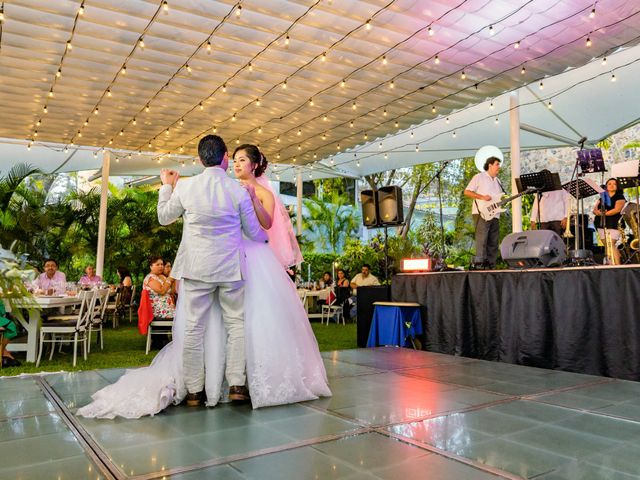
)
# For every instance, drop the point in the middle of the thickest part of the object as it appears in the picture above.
(393, 325)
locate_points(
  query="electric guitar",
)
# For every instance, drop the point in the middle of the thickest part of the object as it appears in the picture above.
(488, 209)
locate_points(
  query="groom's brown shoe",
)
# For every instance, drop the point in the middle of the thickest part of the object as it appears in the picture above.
(239, 394)
(194, 399)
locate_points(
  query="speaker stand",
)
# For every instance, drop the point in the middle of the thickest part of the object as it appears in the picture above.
(386, 255)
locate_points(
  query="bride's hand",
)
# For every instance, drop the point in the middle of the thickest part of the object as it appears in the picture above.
(250, 188)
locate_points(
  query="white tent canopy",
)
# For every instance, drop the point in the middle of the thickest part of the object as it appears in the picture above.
(165, 78)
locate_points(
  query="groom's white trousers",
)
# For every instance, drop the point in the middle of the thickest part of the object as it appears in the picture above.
(204, 303)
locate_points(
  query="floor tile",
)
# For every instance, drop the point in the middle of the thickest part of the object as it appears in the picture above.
(71, 468)
(28, 406)
(43, 448)
(220, 472)
(34, 426)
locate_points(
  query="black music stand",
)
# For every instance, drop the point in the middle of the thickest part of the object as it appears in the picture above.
(581, 189)
(542, 181)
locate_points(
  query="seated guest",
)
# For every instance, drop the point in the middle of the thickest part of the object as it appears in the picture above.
(89, 279)
(343, 291)
(125, 287)
(342, 280)
(174, 286)
(159, 288)
(10, 331)
(52, 281)
(326, 280)
(364, 279)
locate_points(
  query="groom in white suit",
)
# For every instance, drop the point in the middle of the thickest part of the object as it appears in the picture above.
(210, 260)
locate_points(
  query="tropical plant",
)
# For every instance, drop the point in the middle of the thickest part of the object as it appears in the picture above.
(330, 221)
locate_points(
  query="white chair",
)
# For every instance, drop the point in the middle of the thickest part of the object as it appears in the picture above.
(160, 325)
(331, 309)
(112, 309)
(97, 319)
(64, 331)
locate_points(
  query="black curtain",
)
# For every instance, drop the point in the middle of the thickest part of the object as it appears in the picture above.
(583, 320)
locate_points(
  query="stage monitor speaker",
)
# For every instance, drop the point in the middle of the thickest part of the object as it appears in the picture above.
(369, 208)
(535, 248)
(390, 205)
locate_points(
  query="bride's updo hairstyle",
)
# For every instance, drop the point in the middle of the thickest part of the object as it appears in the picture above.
(256, 157)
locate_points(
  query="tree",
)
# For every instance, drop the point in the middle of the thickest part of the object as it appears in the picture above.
(330, 222)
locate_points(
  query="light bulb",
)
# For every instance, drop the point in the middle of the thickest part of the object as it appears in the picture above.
(447, 121)
(233, 118)
(497, 121)
(351, 124)
(380, 145)
(437, 60)
(411, 134)
(386, 156)
(604, 61)
(353, 106)
(541, 86)
(188, 68)
(86, 122)
(201, 106)
(284, 84)
(95, 154)
(384, 113)
(181, 121)
(593, 13)
(35, 133)
(45, 110)
(343, 83)
(417, 148)
(141, 43)
(433, 109)
(146, 108)
(588, 43)
(338, 147)
(516, 45)
(38, 123)
(239, 11)
(323, 57)
(29, 146)
(523, 71)
(287, 39)
(259, 129)
(59, 72)
(384, 60)
(165, 6)
(324, 136)
(250, 67)
(358, 163)
(463, 75)
(258, 102)
(237, 141)
(491, 31)
(549, 106)
(299, 147)
(613, 77)
(453, 134)
(491, 106)
(311, 102)
(111, 141)
(51, 93)
(396, 124)
(391, 84)
(134, 121)
(95, 112)
(208, 46)
(69, 46)
(325, 118)
(278, 139)
(368, 25)
(124, 70)
(66, 149)
(430, 31)
(108, 92)
(366, 136)
(299, 132)
(79, 133)
(121, 132)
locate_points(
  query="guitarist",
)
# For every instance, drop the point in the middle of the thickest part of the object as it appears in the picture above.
(484, 186)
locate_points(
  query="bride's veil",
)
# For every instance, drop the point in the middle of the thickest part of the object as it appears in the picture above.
(282, 239)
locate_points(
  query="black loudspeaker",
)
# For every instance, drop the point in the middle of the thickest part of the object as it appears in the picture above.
(535, 248)
(366, 297)
(369, 208)
(390, 205)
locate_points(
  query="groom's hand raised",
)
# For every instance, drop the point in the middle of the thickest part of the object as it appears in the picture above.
(169, 177)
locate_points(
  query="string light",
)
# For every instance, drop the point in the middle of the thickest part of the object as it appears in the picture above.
(45, 110)
(491, 31)
(430, 31)
(324, 136)
(380, 145)
(311, 102)
(613, 77)
(366, 136)
(433, 109)
(549, 105)
(491, 107)
(258, 103)
(111, 141)
(278, 157)
(35, 133)
(38, 123)
(437, 60)
(392, 84)
(59, 72)
(384, 113)
(124, 70)
(453, 134)
(396, 124)
(367, 25)
(354, 106)
(181, 121)
(86, 122)
(69, 46)
(411, 134)
(516, 45)
(278, 139)
(323, 58)
(259, 129)
(343, 83)
(224, 88)
(146, 108)
(463, 75)
(95, 112)
(233, 118)
(215, 129)
(51, 93)
(201, 106)
(315, 155)
(541, 86)
(108, 92)
(593, 13)
(121, 132)
(497, 121)
(239, 11)
(417, 148)
(299, 147)
(79, 133)
(523, 70)
(384, 59)
(141, 43)
(208, 46)
(287, 39)
(447, 121)
(250, 67)
(325, 118)
(351, 124)
(338, 147)
(299, 132)
(588, 43)
(189, 68)
(284, 84)
(604, 61)
(165, 6)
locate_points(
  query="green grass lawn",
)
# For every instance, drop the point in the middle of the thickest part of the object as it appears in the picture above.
(124, 347)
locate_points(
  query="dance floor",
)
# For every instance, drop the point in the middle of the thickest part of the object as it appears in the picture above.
(394, 414)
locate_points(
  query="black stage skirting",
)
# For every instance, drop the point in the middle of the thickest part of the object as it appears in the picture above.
(583, 320)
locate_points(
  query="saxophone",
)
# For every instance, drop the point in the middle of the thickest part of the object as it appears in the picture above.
(610, 257)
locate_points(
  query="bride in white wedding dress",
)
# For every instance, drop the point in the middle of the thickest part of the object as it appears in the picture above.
(283, 360)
